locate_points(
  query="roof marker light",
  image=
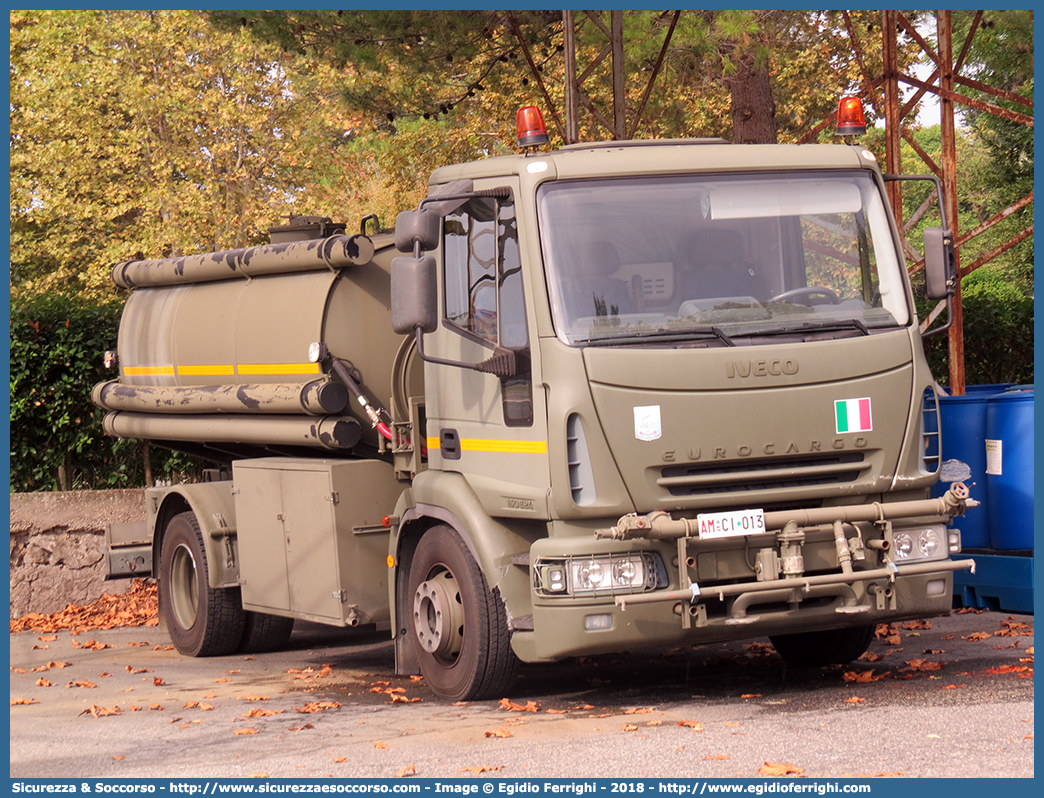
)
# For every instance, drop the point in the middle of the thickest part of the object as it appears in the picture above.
(532, 132)
(850, 118)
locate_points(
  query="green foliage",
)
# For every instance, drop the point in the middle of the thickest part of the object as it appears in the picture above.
(57, 342)
(998, 331)
(146, 134)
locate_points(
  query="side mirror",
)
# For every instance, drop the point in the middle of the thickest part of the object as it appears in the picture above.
(414, 296)
(939, 264)
(417, 227)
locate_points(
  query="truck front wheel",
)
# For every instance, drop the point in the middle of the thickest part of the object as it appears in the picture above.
(816, 649)
(459, 625)
(202, 621)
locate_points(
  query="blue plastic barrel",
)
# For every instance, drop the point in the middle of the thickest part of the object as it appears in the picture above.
(1009, 473)
(962, 422)
(988, 389)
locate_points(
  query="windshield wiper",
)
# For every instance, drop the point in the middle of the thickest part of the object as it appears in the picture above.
(660, 335)
(835, 324)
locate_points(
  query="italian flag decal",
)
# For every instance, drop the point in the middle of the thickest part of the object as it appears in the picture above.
(853, 415)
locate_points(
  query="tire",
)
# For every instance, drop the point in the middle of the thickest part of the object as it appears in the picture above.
(816, 649)
(263, 632)
(458, 625)
(202, 621)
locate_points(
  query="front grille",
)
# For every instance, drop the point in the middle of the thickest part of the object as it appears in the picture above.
(701, 479)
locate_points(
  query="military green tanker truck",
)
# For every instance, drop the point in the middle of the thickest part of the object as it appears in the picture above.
(618, 396)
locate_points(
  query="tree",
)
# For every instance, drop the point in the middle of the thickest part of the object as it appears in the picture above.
(145, 134)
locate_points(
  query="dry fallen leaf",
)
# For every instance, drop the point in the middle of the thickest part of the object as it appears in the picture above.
(716, 757)
(340, 759)
(409, 770)
(244, 731)
(99, 712)
(41, 682)
(93, 645)
(23, 701)
(499, 733)
(691, 724)
(640, 711)
(863, 676)
(137, 670)
(253, 697)
(81, 683)
(924, 665)
(854, 700)
(47, 638)
(978, 636)
(779, 769)
(317, 706)
(50, 665)
(157, 707)
(630, 727)
(118, 758)
(157, 680)
(1008, 669)
(262, 713)
(380, 745)
(480, 769)
(301, 728)
(511, 706)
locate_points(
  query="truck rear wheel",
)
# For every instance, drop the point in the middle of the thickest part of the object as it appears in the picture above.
(459, 625)
(202, 621)
(263, 632)
(816, 649)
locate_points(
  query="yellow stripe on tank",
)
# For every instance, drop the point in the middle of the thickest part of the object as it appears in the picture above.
(148, 371)
(496, 446)
(279, 368)
(216, 370)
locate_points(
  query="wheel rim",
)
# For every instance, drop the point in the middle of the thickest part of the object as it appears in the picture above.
(438, 616)
(184, 587)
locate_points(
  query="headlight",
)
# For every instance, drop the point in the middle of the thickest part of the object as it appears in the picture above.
(608, 574)
(904, 545)
(920, 543)
(928, 542)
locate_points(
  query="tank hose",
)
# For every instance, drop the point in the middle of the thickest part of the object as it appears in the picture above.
(374, 415)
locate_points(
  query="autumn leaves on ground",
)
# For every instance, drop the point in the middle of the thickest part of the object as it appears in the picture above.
(326, 688)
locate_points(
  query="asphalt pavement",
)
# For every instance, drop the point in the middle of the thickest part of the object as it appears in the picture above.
(950, 698)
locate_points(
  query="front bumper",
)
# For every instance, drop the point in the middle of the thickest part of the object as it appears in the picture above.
(791, 578)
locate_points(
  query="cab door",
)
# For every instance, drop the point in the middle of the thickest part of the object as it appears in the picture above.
(491, 429)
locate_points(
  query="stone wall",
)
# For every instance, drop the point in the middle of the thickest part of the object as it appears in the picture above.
(58, 546)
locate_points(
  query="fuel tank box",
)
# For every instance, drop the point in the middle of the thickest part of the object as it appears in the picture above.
(334, 549)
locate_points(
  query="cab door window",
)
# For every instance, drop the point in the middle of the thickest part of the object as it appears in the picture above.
(483, 291)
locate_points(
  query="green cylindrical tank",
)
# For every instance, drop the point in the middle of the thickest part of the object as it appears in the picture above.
(227, 335)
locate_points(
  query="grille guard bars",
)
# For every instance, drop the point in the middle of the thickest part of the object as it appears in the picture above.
(658, 525)
(787, 528)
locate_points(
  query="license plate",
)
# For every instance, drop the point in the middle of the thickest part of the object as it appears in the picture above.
(734, 524)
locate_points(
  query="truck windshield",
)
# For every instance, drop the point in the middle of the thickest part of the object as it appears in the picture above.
(661, 258)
